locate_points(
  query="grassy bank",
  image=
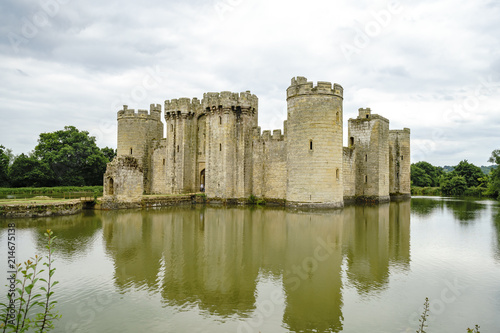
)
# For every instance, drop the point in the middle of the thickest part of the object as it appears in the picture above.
(35, 201)
(416, 190)
(50, 190)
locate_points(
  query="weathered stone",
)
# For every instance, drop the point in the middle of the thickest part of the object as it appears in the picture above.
(215, 144)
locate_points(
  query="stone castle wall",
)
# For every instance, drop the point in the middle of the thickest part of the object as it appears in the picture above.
(314, 143)
(349, 173)
(399, 161)
(136, 131)
(269, 165)
(216, 142)
(369, 136)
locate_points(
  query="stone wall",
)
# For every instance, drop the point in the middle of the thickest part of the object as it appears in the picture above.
(136, 132)
(181, 116)
(216, 142)
(123, 179)
(369, 137)
(399, 162)
(159, 167)
(41, 210)
(230, 119)
(349, 173)
(314, 143)
(269, 165)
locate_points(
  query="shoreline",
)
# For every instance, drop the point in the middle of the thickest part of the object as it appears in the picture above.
(34, 209)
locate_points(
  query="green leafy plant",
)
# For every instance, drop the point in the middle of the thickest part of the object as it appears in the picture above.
(19, 313)
(253, 200)
(423, 317)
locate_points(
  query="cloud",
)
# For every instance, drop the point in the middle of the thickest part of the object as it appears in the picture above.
(412, 64)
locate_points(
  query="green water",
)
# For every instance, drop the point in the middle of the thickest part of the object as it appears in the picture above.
(216, 269)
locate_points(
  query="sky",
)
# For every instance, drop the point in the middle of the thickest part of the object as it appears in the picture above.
(431, 66)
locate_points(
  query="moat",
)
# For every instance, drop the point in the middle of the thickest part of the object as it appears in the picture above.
(257, 269)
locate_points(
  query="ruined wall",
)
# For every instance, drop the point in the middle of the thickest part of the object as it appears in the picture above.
(123, 179)
(269, 165)
(136, 131)
(369, 136)
(349, 173)
(314, 143)
(399, 162)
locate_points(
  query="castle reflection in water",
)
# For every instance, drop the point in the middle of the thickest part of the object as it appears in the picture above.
(213, 257)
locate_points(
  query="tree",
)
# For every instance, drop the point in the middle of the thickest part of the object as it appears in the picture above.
(470, 172)
(453, 185)
(430, 176)
(28, 171)
(4, 167)
(494, 185)
(73, 157)
(110, 153)
(419, 177)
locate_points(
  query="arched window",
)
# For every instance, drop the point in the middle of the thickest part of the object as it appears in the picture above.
(352, 141)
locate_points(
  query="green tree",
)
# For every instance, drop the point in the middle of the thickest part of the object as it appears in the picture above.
(494, 184)
(419, 177)
(28, 171)
(73, 157)
(4, 167)
(470, 172)
(432, 173)
(452, 184)
(110, 153)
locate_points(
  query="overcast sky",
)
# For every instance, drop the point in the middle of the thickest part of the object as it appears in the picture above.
(432, 66)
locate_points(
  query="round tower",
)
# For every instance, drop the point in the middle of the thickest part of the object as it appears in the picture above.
(136, 131)
(314, 144)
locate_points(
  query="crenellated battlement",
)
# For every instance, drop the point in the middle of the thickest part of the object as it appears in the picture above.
(183, 106)
(154, 113)
(300, 86)
(229, 100)
(267, 136)
(400, 131)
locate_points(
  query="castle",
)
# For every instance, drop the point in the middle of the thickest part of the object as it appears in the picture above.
(216, 145)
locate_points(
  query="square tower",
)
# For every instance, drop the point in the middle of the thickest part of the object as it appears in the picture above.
(369, 137)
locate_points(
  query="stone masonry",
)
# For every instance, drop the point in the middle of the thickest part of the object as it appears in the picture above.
(216, 144)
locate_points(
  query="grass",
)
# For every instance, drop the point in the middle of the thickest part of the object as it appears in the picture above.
(49, 190)
(33, 201)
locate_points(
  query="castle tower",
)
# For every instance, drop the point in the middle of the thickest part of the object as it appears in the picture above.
(369, 137)
(181, 144)
(230, 119)
(314, 143)
(399, 163)
(136, 132)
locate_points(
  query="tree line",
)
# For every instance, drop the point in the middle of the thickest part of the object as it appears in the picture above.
(464, 179)
(67, 157)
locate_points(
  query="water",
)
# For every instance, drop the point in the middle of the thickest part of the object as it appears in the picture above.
(215, 269)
